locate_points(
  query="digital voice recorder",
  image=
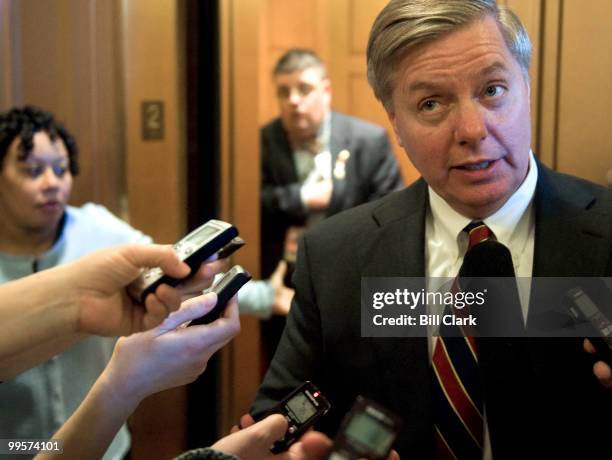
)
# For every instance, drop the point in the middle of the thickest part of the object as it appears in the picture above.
(367, 432)
(301, 408)
(193, 249)
(225, 287)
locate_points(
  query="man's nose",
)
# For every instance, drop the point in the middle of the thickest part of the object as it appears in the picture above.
(471, 127)
(295, 97)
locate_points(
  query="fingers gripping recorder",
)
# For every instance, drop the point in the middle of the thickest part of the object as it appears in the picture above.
(583, 308)
(225, 287)
(301, 408)
(215, 236)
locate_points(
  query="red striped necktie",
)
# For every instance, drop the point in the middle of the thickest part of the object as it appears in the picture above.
(456, 386)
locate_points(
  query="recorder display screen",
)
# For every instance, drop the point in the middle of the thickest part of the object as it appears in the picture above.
(369, 431)
(301, 407)
(199, 237)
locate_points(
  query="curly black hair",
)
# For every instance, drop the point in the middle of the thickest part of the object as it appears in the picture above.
(25, 122)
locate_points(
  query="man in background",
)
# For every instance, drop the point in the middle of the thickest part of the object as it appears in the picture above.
(315, 161)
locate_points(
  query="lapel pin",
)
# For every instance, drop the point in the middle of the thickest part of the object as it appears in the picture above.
(340, 166)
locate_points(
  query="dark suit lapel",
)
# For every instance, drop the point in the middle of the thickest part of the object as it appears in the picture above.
(397, 245)
(283, 161)
(339, 140)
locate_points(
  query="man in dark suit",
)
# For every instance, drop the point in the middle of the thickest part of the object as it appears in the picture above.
(453, 77)
(315, 162)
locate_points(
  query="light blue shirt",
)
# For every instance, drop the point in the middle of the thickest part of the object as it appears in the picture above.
(256, 298)
(37, 402)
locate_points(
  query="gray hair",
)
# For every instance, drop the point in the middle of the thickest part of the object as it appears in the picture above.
(299, 59)
(404, 24)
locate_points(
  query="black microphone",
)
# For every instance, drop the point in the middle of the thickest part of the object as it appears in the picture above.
(487, 259)
(488, 270)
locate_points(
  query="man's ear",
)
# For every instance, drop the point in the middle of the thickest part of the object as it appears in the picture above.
(327, 90)
(393, 120)
(326, 82)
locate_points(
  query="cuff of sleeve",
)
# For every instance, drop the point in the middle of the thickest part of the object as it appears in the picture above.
(205, 454)
(289, 200)
(256, 298)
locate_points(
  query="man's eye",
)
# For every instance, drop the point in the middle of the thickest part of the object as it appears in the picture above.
(282, 92)
(305, 90)
(429, 105)
(494, 90)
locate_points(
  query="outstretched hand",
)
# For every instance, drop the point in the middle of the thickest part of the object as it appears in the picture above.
(313, 445)
(99, 281)
(283, 295)
(170, 355)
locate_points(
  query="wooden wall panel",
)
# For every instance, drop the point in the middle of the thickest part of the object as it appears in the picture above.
(530, 11)
(585, 92)
(546, 139)
(152, 66)
(240, 60)
(11, 92)
(360, 18)
(299, 29)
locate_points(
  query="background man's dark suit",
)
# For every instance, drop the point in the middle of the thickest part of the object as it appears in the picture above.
(371, 172)
(541, 397)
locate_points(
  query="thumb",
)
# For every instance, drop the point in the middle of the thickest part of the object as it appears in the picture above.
(316, 445)
(271, 428)
(190, 310)
(156, 255)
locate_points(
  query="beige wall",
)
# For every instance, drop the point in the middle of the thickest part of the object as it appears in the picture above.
(584, 78)
(240, 83)
(153, 70)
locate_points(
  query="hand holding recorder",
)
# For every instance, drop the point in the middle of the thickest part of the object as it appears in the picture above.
(167, 356)
(367, 432)
(583, 308)
(214, 238)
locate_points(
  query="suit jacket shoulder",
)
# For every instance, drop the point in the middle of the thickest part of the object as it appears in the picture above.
(573, 226)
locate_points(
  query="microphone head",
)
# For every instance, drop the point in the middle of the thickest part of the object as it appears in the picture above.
(489, 259)
(488, 268)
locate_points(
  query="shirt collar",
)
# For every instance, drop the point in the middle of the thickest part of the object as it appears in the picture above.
(22, 265)
(449, 224)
